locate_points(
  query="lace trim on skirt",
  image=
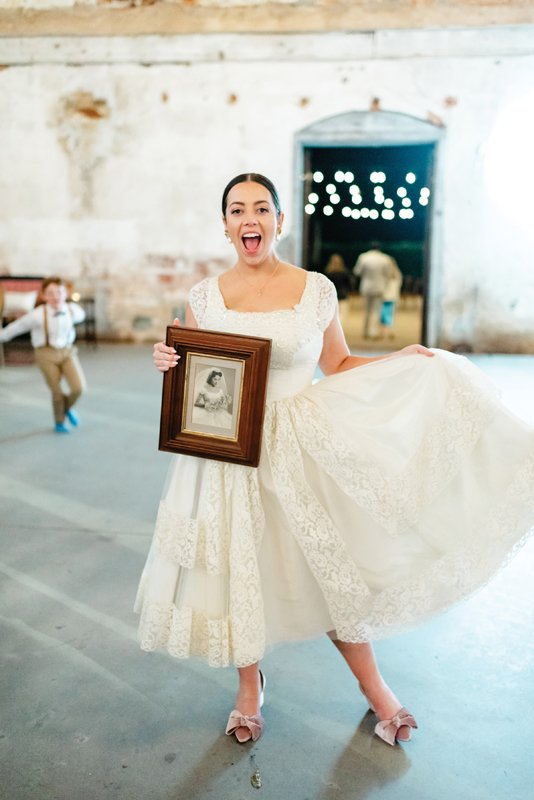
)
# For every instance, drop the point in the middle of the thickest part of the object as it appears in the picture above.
(359, 617)
(184, 632)
(224, 539)
(396, 500)
(498, 535)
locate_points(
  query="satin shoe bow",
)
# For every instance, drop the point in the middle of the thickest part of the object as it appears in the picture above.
(387, 729)
(254, 724)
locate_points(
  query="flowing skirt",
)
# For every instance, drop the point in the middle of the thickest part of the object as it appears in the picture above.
(384, 495)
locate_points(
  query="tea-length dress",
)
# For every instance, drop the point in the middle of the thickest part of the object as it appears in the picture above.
(384, 494)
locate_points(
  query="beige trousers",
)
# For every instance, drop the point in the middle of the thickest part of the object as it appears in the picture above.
(55, 364)
(371, 325)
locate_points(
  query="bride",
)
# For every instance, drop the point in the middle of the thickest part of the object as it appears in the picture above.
(385, 492)
(212, 400)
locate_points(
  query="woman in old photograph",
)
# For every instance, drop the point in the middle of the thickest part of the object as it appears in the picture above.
(212, 401)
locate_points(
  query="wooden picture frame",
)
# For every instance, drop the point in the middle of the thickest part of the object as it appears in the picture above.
(213, 400)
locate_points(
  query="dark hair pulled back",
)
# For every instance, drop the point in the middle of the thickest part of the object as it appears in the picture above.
(212, 374)
(252, 177)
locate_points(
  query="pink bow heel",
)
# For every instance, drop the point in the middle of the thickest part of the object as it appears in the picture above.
(254, 723)
(388, 729)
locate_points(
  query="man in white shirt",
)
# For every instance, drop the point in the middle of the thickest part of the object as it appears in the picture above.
(51, 326)
(375, 269)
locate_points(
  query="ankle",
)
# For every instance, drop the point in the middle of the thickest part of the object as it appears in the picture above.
(382, 700)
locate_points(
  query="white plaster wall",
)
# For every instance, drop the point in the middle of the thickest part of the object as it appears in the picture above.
(127, 203)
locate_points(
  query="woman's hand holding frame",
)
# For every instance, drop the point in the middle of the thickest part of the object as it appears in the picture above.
(244, 361)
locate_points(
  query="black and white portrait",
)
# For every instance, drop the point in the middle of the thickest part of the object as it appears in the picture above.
(213, 400)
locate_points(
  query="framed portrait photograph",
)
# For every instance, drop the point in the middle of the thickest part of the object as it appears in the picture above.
(214, 399)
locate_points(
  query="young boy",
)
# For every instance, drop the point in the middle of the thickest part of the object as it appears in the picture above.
(52, 334)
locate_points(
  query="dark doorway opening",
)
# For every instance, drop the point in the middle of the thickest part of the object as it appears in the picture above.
(354, 195)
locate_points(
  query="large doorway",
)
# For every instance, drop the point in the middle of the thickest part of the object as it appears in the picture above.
(374, 181)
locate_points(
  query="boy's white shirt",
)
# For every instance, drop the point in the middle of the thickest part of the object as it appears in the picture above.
(61, 331)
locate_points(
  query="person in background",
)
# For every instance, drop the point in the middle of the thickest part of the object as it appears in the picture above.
(341, 278)
(389, 300)
(374, 268)
(51, 325)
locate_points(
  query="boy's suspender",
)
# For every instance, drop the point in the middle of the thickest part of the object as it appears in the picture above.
(45, 312)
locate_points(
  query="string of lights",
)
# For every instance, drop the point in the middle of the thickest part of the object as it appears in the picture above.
(343, 195)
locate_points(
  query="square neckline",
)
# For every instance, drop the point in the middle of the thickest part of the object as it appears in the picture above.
(274, 310)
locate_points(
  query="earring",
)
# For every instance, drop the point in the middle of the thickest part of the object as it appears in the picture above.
(228, 238)
(278, 233)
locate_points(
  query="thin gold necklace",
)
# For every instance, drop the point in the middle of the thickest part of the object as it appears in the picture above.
(259, 291)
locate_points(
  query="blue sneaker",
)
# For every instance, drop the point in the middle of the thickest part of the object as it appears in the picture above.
(61, 428)
(73, 417)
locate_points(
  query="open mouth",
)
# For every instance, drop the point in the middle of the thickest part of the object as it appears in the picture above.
(251, 242)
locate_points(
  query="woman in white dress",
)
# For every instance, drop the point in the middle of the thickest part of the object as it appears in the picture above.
(212, 400)
(385, 492)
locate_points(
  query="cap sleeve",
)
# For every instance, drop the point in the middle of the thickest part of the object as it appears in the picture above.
(198, 300)
(326, 301)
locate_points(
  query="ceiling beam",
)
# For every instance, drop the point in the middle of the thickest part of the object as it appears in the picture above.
(164, 18)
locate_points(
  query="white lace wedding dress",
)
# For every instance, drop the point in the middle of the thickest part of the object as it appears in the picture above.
(384, 494)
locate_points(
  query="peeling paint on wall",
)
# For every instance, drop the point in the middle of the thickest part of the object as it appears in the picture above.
(85, 104)
(140, 310)
(85, 134)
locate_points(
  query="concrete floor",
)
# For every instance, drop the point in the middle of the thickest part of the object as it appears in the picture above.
(86, 715)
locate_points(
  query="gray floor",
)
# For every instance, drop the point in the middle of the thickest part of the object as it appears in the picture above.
(86, 715)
